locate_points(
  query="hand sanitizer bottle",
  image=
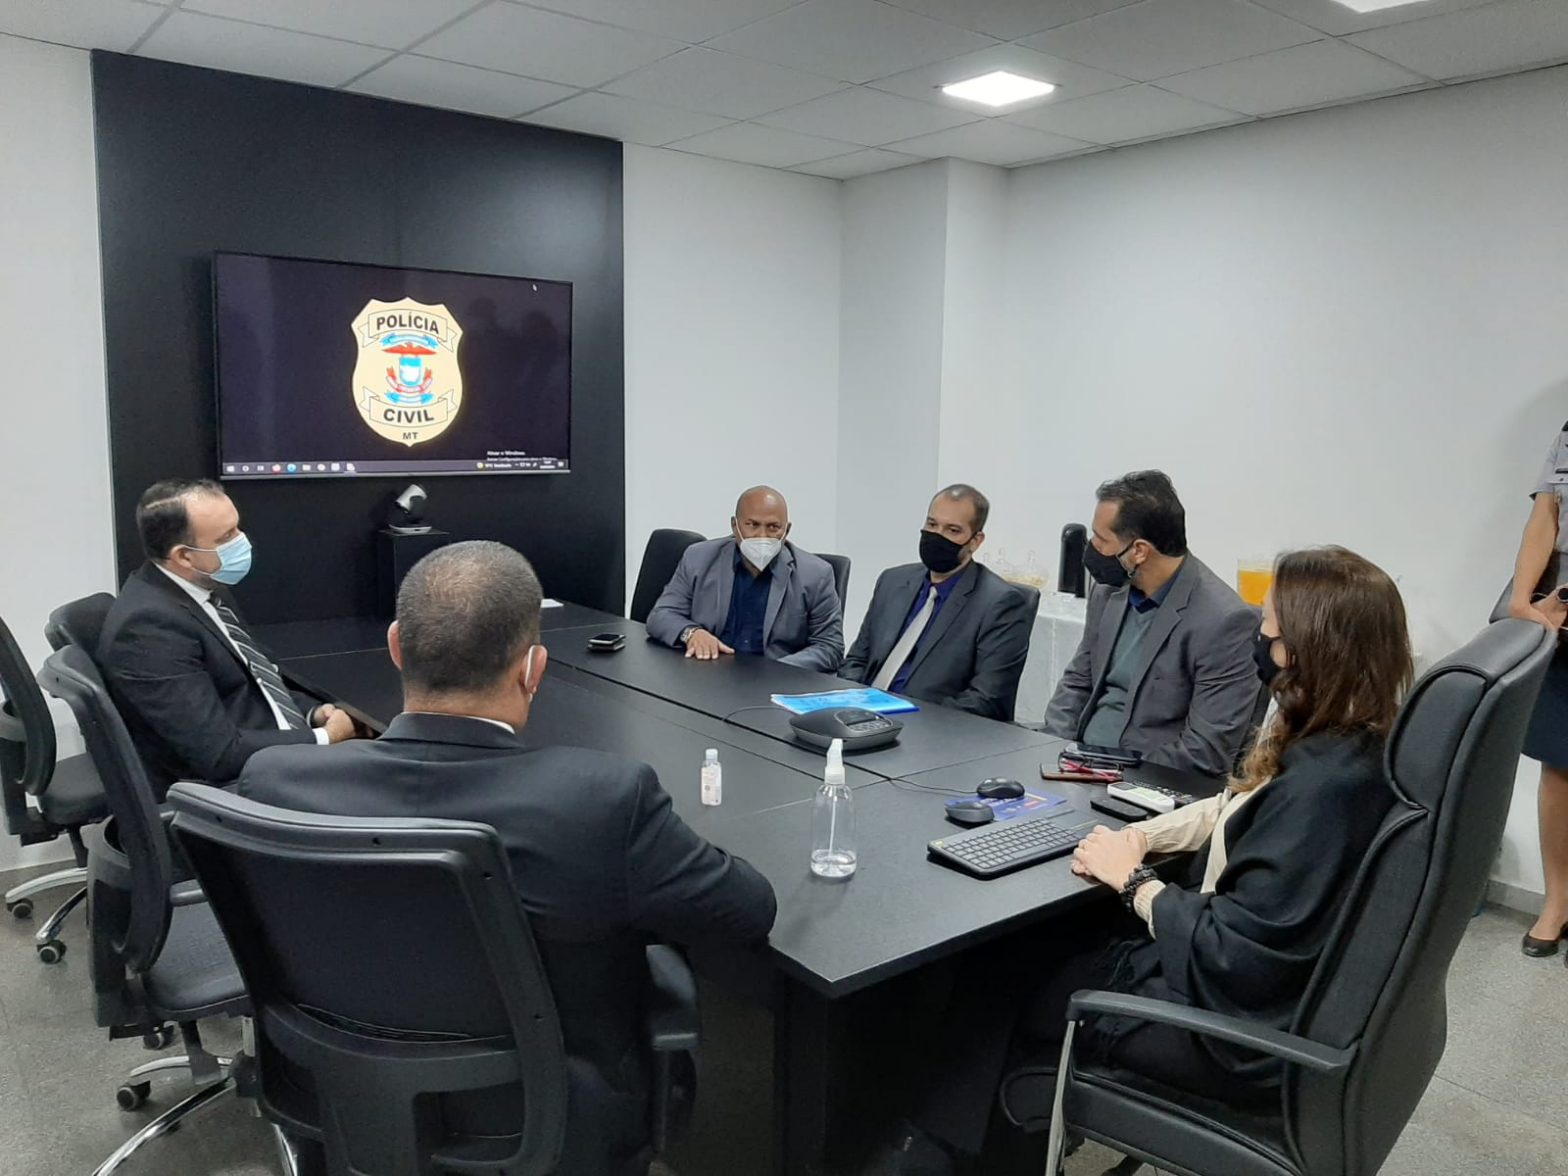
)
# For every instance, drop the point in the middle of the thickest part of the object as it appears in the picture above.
(712, 777)
(833, 821)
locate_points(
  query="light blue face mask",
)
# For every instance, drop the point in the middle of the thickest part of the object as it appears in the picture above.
(233, 559)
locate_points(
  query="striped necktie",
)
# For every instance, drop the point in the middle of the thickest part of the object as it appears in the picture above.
(261, 667)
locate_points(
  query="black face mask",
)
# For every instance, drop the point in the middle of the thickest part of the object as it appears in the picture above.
(1263, 657)
(939, 553)
(1106, 569)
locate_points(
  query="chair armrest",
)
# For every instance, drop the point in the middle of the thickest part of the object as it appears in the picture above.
(186, 894)
(1236, 1030)
(673, 1023)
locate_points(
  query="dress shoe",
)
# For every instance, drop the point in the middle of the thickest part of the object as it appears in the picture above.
(912, 1152)
(1540, 948)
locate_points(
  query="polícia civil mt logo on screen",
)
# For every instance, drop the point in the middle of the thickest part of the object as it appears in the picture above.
(407, 386)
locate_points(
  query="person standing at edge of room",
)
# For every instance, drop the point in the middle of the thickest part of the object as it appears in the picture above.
(753, 592)
(1164, 667)
(1545, 538)
(946, 629)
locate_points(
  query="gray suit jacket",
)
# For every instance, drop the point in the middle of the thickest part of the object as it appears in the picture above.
(1195, 690)
(973, 654)
(805, 620)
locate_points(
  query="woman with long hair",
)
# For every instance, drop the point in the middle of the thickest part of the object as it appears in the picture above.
(1284, 840)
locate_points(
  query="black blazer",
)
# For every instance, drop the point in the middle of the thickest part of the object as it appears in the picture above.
(602, 864)
(191, 705)
(972, 655)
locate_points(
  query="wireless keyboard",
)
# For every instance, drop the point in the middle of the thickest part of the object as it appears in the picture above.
(1004, 846)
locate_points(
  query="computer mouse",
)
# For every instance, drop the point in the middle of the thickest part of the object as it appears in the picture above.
(970, 812)
(1000, 788)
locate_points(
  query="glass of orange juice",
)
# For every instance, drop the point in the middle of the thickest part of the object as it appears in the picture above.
(1254, 577)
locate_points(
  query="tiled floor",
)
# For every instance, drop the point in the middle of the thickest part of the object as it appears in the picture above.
(1499, 1103)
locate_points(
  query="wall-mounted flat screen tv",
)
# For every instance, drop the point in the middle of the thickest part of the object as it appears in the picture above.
(332, 370)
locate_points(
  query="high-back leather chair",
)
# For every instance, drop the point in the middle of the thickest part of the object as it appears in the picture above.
(840, 566)
(659, 560)
(80, 623)
(1372, 1023)
(43, 796)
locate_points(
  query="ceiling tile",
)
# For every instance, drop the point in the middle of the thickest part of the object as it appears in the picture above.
(1010, 19)
(1071, 80)
(545, 45)
(1162, 37)
(855, 40)
(91, 24)
(991, 141)
(393, 24)
(1512, 35)
(1122, 116)
(1334, 17)
(458, 87)
(626, 119)
(722, 84)
(867, 117)
(858, 163)
(753, 143)
(685, 20)
(251, 49)
(1293, 79)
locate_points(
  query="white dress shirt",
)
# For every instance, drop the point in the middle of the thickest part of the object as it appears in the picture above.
(203, 598)
(1184, 829)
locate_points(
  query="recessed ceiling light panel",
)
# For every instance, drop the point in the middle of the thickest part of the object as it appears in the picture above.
(1366, 6)
(998, 88)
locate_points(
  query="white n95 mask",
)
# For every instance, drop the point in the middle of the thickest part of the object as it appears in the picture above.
(760, 553)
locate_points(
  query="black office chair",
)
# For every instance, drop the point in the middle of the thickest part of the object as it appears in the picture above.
(659, 560)
(65, 794)
(840, 566)
(391, 966)
(1372, 1023)
(1031, 596)
(79, 623)
(157, 953)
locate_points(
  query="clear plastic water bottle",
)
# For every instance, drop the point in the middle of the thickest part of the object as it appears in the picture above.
(833, 821)
(712, 777)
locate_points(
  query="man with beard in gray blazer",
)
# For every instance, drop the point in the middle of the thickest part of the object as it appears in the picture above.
(1165, 666)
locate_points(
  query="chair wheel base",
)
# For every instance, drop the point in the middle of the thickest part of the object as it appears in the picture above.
(160, 1038)
(52, 952)
(132, 1095)
(22, 908)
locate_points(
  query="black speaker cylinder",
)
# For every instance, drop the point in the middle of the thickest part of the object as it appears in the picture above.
(1069, 569)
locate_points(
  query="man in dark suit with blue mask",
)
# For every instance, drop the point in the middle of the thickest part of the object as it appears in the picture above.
(197, 693)
(947, 629)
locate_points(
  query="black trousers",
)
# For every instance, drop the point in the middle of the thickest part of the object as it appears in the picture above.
(1008, 1008)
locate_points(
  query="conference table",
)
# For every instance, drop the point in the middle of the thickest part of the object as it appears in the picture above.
(843, 953)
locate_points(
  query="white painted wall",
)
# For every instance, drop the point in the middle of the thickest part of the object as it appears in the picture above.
(1348, 326)
(890, 355)
(55, 532)
(732, 345)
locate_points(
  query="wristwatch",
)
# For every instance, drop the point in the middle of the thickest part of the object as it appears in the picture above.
(1134, 880)
(687, 632)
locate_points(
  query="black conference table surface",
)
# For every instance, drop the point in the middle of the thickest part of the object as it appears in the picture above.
(568, 713)
(287, 639)
(738, 688)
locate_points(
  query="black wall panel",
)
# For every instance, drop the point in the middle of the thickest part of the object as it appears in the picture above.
(194, 161)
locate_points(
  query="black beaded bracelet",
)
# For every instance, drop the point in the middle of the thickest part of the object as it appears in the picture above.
(1134, 880)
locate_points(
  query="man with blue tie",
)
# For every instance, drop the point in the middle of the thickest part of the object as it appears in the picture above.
(753, 592)
(947, 629)
(197, 693)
